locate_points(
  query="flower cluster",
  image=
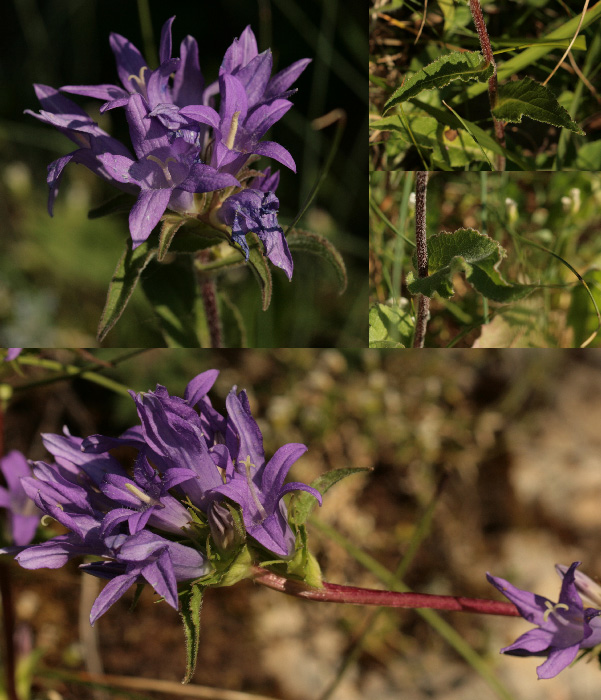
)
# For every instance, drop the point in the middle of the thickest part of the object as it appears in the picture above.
(183, 142)
(563, 628)
(200, 484)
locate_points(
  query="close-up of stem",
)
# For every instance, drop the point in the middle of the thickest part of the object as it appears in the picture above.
(423, 302)
(334, 593)
(487, 52)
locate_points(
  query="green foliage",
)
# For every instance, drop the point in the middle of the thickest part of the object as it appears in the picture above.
(470, 65)
(416, 81)
(122, 285)
(390, 326)
(528, 98)
(531, 281)
(315, 244)
(191, 606)
(472, 253)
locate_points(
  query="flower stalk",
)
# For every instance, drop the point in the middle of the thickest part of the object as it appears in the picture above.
(423, 302)
(335, 593)
(487, 52)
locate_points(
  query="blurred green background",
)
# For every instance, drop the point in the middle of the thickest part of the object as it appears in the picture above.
(54, 272)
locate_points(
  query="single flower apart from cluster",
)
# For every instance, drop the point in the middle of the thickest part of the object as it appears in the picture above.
(199, 483)
(12, 353)
(187, 137)
(563, 628)
(23, 517)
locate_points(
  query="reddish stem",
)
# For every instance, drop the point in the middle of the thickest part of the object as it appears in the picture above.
(334, 593)
(421, 249)
(492, 82)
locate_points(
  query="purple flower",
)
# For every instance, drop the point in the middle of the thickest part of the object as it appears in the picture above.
(12, 353)
(254, 210)
(23, 516)
(182, 145)
(562, 628)
(166, 170)
(256, 486)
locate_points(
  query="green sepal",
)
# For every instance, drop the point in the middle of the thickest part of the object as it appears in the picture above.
(304, 565)
(299, 239)
(468, 65)
(240, 567)
(171, 225)
(302, 502)
(477, 256)
(138, 592)
(191, 605)
(124, 281)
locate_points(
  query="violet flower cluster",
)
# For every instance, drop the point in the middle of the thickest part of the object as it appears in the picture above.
(184, 143)
(563, 628)
(158, 521)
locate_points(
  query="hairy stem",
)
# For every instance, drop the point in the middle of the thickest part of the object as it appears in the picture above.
(423, 302)
(208, 291)
(499, 126)
(334, 593)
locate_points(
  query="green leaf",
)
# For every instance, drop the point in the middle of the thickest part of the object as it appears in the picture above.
(390, 325)
(528, 98)
(171, 225)
(387, 344)
(124, 281)
(173, 293)
(121, 203)
(190, 613)
(472, 253)
(302, 503)
(469, 65)
(260, 267)
(299, 239)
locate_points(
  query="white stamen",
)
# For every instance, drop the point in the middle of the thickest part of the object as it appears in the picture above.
(139, 79)
(552, 610)
(247, 465)
(163, 166)
(144, 497)
(231, 137)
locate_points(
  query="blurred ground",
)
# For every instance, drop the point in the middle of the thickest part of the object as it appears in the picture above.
(516, 433)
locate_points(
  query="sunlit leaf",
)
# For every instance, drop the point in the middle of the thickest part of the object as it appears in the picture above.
(472, 253)
(191, 604)
(526, 97)
(469, 65)
(390, 325)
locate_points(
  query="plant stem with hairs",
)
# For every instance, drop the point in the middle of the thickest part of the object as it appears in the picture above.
(334, 593)
(423, 302)
(499, 126)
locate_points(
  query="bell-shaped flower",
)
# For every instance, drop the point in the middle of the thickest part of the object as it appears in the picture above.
(563, 628)
(258, 487)
(256, 211)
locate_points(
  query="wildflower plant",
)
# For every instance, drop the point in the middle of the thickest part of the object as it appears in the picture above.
(453, 99)
(190, 178)
(187, 498)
